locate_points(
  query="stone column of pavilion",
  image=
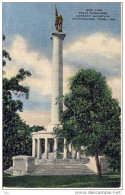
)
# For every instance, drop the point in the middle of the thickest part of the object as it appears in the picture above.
(57, 74)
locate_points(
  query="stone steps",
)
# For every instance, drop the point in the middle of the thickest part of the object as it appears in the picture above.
(9, 171)
(61, 170)
(84, 160)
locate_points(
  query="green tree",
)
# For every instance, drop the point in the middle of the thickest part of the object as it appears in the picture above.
(35, 128)
(6, 55)
(91, 117)
(16, 134)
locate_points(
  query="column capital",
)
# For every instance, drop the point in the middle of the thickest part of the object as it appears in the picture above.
(58, 34)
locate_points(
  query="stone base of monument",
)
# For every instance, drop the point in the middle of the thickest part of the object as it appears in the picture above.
(83, 160)
(23, 165)
(62, 169)
(27, 165)
(103, 162)
(83, 166)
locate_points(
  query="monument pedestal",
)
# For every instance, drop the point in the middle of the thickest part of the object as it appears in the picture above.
(51, 127)
(23, 165)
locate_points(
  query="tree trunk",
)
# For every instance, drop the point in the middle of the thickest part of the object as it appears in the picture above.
(98, 165)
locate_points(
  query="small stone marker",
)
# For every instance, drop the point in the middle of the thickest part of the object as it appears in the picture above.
(23, 165)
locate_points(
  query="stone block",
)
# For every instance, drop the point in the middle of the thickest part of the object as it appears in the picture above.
(104, 163)
(23, 165)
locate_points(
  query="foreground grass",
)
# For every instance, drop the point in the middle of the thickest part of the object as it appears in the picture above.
(69, 181)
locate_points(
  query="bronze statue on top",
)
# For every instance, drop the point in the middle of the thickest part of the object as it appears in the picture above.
(58, 20)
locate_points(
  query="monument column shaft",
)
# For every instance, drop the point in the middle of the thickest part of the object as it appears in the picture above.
(57, 77)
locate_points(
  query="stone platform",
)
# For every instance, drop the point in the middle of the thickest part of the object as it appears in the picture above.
(62, 169)
(58, 169)
(65, 167)
(84, 166)
(84, 160)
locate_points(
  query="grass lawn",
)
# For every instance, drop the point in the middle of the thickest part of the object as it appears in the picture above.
(109, 180)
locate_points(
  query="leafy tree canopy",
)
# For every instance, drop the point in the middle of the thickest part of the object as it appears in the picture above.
(91, 117)
(16, 134)
(35, 128)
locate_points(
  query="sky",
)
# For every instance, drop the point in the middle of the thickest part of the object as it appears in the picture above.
(88, 44)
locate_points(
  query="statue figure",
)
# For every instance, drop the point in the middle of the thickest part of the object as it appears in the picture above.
(60, 23)
(58, 20)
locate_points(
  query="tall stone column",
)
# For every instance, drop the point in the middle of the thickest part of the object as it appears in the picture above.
(38, 149)
(33, 148)
(70, 147)
(57, 78)
(73, 154)
(78, 155)
(65, 150)
(46, 148)
(55, 148)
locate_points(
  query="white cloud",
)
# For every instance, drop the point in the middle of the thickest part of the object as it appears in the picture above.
(41, 118)
(96, 50)
(115, 84)
(98, 43)
(39, 65)
(11, 69)
(101, 51)
(68, 72)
